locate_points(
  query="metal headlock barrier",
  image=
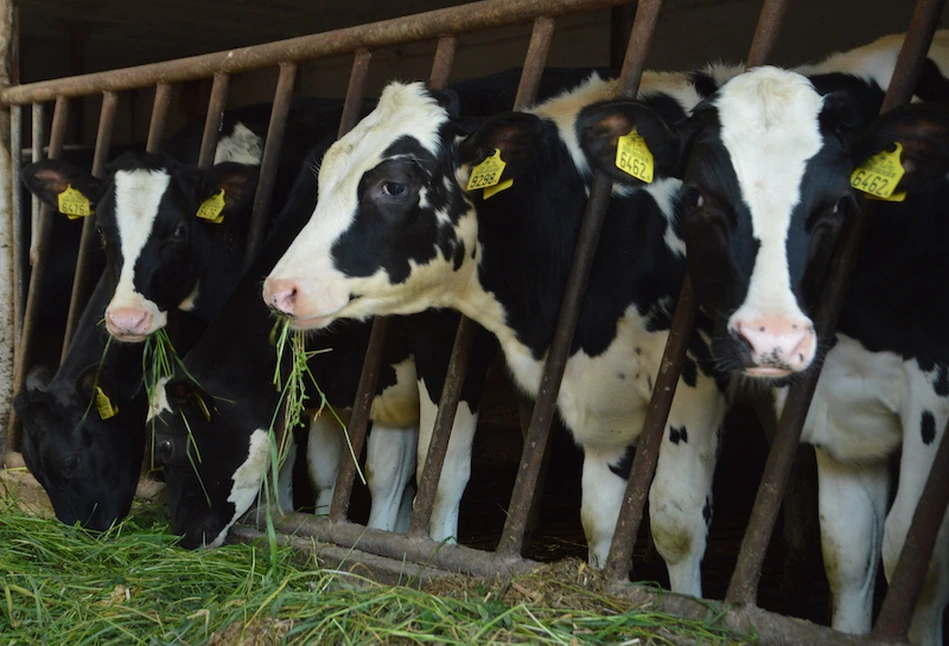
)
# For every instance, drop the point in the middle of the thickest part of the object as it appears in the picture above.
(444, 26)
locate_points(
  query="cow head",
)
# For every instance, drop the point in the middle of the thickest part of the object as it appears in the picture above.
(146, 214)
(213, 473)
(89, 466)
(394, 231)
(766, 165)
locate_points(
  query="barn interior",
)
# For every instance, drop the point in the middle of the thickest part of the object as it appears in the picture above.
(60, 38)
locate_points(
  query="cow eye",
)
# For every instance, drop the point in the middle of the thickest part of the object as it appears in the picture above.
(179, 232)
(69, 464)
(165, 450)
(838, 207)
(693, 198)
(394, 189)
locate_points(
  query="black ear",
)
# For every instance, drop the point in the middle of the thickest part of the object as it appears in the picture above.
(39, 379)
(98, 385)
(600, 126)
(185, 395)
(48, 178)
(449, 100)
(238, 181)
(923, 131)
(516, 134)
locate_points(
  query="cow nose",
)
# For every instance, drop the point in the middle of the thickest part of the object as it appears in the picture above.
(281, 295)
(777, 345)
(129, 321)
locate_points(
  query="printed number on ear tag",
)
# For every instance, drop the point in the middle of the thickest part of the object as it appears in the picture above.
(104, 405)
(73, 204)
(634, 158)
(488, 174)
(879, 175)
(212, 208)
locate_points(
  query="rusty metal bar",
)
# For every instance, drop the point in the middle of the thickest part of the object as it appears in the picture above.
(461, 352)
(82, 284)
(535, 443)
(428, 25)
(359, 421)
(743, 587)
(215, 117)
(444, 58)
(34, 292)
(16, 225)
(156, 128)
(269, 161)
(39, 134)
(683, 324)
(355, 92)
(913, 565)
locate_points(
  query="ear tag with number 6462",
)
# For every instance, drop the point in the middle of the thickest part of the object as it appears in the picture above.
(879, 175)
(212, 209)
(634, 157)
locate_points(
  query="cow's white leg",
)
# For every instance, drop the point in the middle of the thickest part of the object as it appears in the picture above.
(924, 424)
(680, 499)
(852, 505)
(390, 461)
(603, 483)
(457, 468)
(285, 478)
(324, 450)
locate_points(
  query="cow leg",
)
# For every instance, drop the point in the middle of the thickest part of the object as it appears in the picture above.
(324, 451)
(852, 504)
(603, 484)
(285, 478)
(390, 461)
(923, 427)
(457, 468)
(680, 499)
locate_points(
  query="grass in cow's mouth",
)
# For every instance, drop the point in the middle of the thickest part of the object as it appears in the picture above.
(132, 585)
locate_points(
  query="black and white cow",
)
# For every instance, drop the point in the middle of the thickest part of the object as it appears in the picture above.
(395, 233)
(767, 163)
(87, 459)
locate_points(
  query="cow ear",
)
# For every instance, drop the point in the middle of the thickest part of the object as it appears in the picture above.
(449, 100)
(228, 189)
(48, 178)
(514, 136)
(187, 396)
(600, 126)
(97, 385)
(922, 129)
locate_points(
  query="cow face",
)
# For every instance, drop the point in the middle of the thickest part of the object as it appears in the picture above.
(155, 244)
(88, 466)
(766, 165)
(391, 227)
(213, 474)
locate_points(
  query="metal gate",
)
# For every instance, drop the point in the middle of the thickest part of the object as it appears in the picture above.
(444, 26)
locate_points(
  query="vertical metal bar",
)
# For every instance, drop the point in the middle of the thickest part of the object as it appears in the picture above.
(82, 285)
(31, 313)
(156, 128)
(444, 59)
(683, 323)
(372, 364)
(913, 565)
(268, 163)
(534, 61)
(16, 226)
(512, 538)
(39, 135)
(215, 117)
(9, 151)
(743, 587)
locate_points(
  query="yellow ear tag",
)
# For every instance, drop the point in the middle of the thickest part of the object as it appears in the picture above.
(212, 208)
(491, 191)
(73, 204)
(203, 406)
(488, 174)
(634, 157)
(104, 405)
(879, 175)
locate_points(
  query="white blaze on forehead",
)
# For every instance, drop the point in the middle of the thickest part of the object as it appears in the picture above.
(241, 146)
(403, 111)
(247, 479)
(769, 126)
(138, 194)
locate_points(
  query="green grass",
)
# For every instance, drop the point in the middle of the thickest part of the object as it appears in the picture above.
(61, 585)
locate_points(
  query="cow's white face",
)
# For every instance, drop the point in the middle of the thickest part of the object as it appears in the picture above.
(392, 229)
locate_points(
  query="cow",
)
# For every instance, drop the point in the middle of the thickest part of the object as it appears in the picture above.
(80, 437)
(767, 165)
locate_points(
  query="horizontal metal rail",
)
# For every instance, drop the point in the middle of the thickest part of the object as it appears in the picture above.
(475, 16)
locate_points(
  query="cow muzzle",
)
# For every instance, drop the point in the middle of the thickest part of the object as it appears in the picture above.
(774, 347)
(306, 308)
(129, 324)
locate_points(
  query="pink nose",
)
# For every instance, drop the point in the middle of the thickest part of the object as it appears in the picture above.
(129, 321)
(777, 345)
(281, 295)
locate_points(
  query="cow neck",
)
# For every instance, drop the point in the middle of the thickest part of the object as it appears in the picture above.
(219, 265)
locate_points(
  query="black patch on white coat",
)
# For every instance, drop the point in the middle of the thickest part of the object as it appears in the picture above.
(625, 465)
(927, 427)
(678, 434)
